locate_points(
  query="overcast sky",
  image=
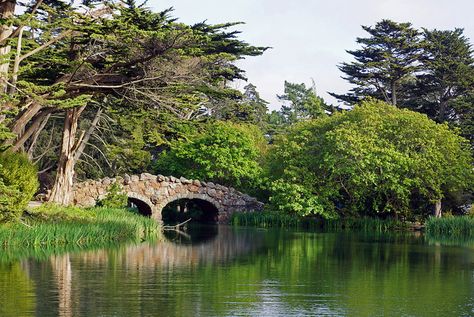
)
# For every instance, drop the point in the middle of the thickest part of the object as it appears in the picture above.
(309, 37)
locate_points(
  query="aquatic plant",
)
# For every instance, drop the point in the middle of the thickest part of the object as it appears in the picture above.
(462, 226)
(96, 226)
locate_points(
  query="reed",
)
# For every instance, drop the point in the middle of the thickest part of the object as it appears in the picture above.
(265, 220)
(280, 220)
(95, 226)
(461, 226)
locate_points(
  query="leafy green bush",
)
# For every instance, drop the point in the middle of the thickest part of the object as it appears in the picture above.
(18, 184)
(115, 197)
(226, 153)
(373, 159)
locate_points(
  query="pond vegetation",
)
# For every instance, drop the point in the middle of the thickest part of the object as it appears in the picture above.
(52, 226)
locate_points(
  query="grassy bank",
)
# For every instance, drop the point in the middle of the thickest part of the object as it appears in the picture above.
(450, 226)
(52, 226)
(281, 220)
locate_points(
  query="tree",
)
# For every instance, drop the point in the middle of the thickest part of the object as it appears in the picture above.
(226, 153)
(374, 159)
(247, 107)
(301, 103)
(447, 73)
(77, 57)
(386, 62)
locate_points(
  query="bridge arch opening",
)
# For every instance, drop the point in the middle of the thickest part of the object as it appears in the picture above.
(198, 210)
(140, 206)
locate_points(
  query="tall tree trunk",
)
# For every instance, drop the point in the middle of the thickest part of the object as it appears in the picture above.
(33, 128)
(438, 209)
(88, 134)
(442, 111)
(19, 124)
(394, 93)
(32, 146)
(62, 188)
(7, 9)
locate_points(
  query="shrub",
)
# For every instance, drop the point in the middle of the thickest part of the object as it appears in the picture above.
(18, 184)
(226, 153)
(115, 198)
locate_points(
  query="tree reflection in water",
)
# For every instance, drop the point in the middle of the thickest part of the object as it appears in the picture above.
(249, 272)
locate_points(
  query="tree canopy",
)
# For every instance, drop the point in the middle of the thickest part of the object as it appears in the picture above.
(371, 160)
(226, 153)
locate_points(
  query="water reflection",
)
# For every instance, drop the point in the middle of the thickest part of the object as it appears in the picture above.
(248, 272)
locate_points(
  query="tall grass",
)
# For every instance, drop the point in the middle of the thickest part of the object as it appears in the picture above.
(462, 226)
(96, 226)
(365, 224)
(265, 220)
(281, 220)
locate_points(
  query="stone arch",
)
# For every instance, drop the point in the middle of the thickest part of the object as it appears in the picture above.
(145, 206)
(196, 196)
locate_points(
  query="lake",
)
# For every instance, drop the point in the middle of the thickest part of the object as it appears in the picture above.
(228, 271)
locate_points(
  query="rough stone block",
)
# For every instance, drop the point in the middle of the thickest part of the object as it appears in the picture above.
(126, 179)
(184, 180)
(193, 188)
(212, 192)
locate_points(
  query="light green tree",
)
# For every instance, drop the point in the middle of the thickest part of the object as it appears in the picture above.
(226, 153)
(370, 160)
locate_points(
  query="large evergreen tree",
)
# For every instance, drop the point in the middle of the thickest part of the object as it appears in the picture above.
(447, 73)
(66, 59)
(387, 60)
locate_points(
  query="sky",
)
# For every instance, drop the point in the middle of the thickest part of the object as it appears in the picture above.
(309, 38)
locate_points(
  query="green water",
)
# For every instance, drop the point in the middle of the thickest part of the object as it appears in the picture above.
(247, 272)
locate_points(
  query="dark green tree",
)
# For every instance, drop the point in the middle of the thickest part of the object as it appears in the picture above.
(78, 58)
(246, 108)
(386, 62)
(447, 66)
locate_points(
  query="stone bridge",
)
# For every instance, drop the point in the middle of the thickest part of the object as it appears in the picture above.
(153, 193)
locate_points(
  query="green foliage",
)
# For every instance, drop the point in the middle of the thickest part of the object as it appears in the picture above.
(448, 74)
(301, 103)
(452, 226)
(226, 153)
(386, 60)
(429, 71)
(296, 198)
(249, 109)
(148, 70)
(115, 197)
(373, 159)
(18, 184)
